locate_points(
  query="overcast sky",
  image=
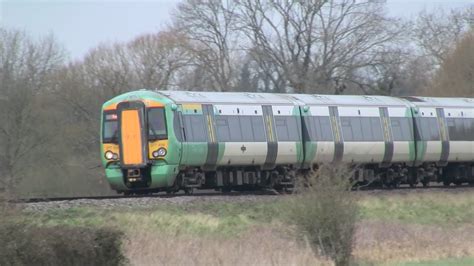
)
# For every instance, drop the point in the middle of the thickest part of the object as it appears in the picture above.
(82, 24)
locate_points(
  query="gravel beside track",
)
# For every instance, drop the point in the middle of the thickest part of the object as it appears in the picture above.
(405, 190)
(204, 197)
(143, 201)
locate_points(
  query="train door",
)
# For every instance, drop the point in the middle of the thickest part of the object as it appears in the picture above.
(336, 129)
(132, 134)
(443, 161)
(272, 144)
(212, 145)
(195, 134)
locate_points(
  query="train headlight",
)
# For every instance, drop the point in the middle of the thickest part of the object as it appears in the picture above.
(159, 153)
(109, 155)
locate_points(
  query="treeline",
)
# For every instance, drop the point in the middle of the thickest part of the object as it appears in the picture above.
(49, 105)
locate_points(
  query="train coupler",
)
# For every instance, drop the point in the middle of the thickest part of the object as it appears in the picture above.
(134, 175)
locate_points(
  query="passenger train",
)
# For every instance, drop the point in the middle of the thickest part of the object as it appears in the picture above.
(155, 141)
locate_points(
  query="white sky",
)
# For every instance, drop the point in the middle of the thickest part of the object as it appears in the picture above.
(82, 24)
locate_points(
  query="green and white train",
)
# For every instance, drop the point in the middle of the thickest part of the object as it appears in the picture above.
(155, 141)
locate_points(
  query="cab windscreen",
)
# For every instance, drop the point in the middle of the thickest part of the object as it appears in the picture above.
(110, 128)
(156, 124)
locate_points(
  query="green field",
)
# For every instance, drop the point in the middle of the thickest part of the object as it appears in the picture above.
(421, 228)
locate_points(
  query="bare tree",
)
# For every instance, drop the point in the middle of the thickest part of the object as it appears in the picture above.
(25, 69)
(283, 34)
(210, 27)
(156, 58)
(319, 46)
(456, 75)
(108, 70)
(436, 33)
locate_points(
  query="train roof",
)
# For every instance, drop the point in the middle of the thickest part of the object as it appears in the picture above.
(310, 99)
(227, 97)
(280, 99)
(351, 100)
(440, 101)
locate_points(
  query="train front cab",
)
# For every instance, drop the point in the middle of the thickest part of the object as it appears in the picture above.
(139, 151)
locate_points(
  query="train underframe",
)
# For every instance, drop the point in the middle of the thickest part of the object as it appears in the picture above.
(426, 173)
(235, 179)
(283, 178)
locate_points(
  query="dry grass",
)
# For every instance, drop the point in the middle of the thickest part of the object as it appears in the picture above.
(377, 242)
(396, 242)
(449, 208)
(259, 246)
(394, 227)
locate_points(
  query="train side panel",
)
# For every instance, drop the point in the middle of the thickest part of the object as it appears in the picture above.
(460, 126)
(318, 135)
(428, 135)
(195, 135)
(402, 134)
(240, 132)
(362, 134)
(287, 122)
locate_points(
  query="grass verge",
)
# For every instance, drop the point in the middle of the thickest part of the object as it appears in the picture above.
(392, 228)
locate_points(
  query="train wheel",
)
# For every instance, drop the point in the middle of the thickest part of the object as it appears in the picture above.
(413, 181)
(189, 191)
(396, 184)
(446, 183)
(426, 182)
(412, 177)
(226, 190)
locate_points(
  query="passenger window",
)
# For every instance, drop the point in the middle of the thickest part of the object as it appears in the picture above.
(246, 128)
(281, 128)
(366, 128)
(235, 129)
(427, 128)
(347, 129)
(357, 129)
(239, 128)
(258, 128)
(361, 129)
(376, 128)
(434, 129)
(195, 128)
(460, 129)
(222, 129)
(177, 127)
(401, 128)
(287, 128)
(469, 129)
(322, 128)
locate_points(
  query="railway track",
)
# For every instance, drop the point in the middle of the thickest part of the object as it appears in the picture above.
(199, 193)
(211, 193)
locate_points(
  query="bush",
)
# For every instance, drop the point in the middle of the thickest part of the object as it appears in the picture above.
(24, 244)
(325, 211)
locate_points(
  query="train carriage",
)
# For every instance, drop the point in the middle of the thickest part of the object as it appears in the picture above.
(444, 130)
(374, 132)
(170, 140)
(246, 139)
